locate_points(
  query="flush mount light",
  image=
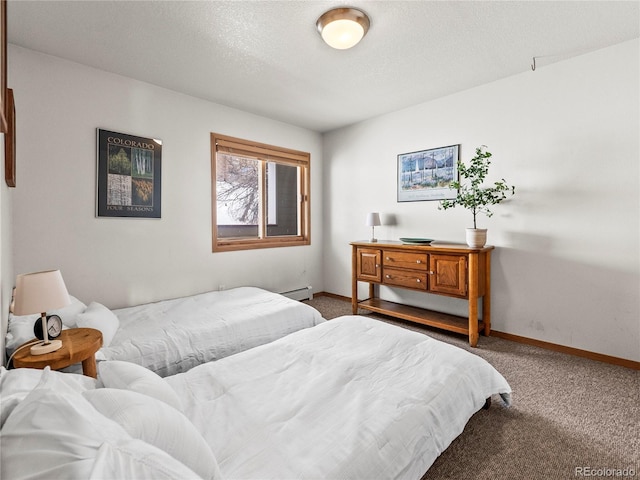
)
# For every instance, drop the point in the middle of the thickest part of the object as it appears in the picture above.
(343, 28)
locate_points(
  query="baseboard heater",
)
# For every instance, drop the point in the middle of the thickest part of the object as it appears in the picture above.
(304, 293)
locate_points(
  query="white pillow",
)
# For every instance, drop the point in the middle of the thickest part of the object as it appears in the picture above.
(16, 384)
(20, 328)
(56, 433)
(134, 377)
(136, 460)
(101, 318)
(155, 422)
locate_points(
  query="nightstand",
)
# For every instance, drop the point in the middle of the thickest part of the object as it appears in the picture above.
(78, 345)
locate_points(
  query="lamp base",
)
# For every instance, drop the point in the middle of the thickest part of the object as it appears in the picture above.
(43, 348)
(373, 240)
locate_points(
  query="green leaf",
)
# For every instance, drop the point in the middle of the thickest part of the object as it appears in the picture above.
(472, 195)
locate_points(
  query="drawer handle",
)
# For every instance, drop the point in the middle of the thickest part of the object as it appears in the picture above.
(377, 266)
(418, 280)
(430, 272)
(418, 261)
(388, 258)
(387, 276)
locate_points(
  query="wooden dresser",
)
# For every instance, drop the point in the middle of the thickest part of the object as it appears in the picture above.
(442, 269)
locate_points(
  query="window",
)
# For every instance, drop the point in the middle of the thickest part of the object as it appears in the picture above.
(260, 195)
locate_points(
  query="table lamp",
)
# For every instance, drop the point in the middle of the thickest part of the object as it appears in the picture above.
(36, 293)
(373, 221)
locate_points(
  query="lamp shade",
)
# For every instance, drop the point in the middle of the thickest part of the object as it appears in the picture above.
(39, 292)
(343, 28)
(373, 219)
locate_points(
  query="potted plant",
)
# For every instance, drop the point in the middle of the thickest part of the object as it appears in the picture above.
(474, 196)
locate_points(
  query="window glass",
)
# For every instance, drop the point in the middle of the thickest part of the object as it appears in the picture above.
(260, 195)
(237, 192)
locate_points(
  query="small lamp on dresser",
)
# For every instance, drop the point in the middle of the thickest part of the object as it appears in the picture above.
(36, 293)
(373, 221)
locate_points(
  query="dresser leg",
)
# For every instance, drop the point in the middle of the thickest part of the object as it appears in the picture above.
(473, 300)
(354, 282)
(486, 300)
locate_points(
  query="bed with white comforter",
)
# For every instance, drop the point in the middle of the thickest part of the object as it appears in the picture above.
(352, 398)
(172, 336)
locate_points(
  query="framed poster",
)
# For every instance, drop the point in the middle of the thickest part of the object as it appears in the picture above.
(3, 66)
(426, 174)
(10, 142)
(128, 176)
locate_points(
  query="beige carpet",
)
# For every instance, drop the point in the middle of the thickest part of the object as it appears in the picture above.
(571, 417)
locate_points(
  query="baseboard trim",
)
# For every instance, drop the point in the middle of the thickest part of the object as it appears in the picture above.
(599, 357)
(333, 295)
(622, 362)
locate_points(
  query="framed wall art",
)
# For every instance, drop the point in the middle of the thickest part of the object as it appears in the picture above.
(128, 175)
(426, 174)
(3, 66)
(10, 142)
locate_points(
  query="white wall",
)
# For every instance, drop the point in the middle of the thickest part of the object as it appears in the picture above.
(567, 265)
(121, 262)
(566, 268)
(6, 252)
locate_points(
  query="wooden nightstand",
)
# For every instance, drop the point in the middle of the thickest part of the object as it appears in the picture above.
(78, 345)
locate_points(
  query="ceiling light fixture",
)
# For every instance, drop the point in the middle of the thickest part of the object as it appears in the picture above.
(343, 28)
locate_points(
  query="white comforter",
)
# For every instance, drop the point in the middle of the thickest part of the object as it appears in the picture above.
(352, 398)
(173, 336)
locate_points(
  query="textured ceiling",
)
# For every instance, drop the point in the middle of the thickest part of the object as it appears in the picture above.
(266, 56)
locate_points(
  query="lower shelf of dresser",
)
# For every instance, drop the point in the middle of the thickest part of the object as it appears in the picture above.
(445, 321)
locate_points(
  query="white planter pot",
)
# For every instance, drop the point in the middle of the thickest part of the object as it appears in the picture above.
(476, 237)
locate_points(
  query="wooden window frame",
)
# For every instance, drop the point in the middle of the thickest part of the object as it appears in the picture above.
(263, 152)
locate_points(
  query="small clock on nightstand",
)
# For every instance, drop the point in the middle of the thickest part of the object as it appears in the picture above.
(54, 327)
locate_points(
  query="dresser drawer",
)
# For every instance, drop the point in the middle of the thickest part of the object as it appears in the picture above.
(405, 278)
(414, 261)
